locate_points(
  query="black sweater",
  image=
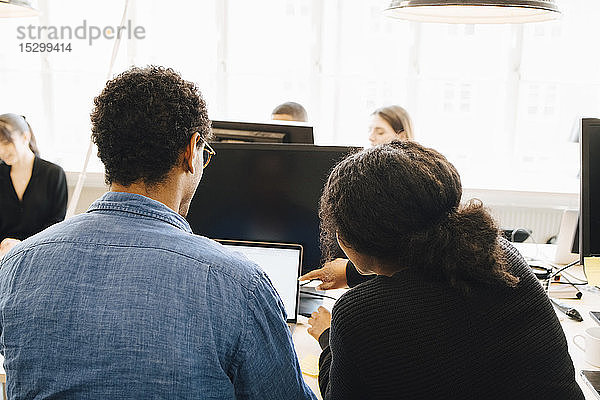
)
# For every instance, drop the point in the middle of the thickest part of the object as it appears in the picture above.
(403, 337)
(44, 201)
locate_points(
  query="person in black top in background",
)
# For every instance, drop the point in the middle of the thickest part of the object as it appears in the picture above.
(454, 311)
(33, 191)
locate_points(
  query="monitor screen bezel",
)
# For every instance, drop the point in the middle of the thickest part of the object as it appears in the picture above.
(297, 133)
(588, 125)
(284, 146)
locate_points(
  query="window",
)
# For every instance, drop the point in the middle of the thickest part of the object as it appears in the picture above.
(501, 102)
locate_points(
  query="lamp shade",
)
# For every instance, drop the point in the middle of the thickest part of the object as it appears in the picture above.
(17, 8)
(474, 11)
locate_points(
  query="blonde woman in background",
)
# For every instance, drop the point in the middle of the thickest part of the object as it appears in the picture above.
(388, 124)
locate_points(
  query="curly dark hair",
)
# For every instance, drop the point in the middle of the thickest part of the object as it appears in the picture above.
(400, 203)
(142, 122)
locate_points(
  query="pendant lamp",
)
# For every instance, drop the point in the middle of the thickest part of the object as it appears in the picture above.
(17, 8)
(474, 11)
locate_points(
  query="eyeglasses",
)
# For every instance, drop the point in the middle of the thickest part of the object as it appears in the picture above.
(207, 153)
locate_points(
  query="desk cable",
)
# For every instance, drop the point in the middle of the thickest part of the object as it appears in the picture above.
(564, 268)
(546, 274)
(565, 276)
(579, 294)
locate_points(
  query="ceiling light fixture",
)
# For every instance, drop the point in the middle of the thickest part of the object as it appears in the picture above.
(17, 8)
(474, 11)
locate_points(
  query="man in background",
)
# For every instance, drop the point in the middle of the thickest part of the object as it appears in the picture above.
(289, 111)
(124, 301)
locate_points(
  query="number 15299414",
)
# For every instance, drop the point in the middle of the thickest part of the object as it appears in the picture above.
(45, 47)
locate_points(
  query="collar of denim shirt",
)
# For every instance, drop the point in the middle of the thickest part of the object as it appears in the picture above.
(140, 205)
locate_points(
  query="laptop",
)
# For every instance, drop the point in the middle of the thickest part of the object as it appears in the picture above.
(281, 262)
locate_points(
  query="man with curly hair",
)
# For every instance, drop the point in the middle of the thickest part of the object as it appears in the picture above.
(124, 301)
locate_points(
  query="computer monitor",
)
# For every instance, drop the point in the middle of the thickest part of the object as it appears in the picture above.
(589, 222)
(266, 193)
(285, 132)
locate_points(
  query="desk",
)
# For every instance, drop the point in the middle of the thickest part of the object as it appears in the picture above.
(306, 346)
(589, 302)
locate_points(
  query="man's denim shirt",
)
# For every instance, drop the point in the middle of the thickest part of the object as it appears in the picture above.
(125, 302)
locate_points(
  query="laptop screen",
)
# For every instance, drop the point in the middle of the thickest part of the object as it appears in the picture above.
(281, 263)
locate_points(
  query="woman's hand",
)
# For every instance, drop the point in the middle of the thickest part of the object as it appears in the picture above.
(332, 275)
(8, 244)
(319, 321)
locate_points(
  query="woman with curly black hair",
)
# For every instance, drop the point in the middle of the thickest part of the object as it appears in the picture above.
(454, 311)
(387, 124)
